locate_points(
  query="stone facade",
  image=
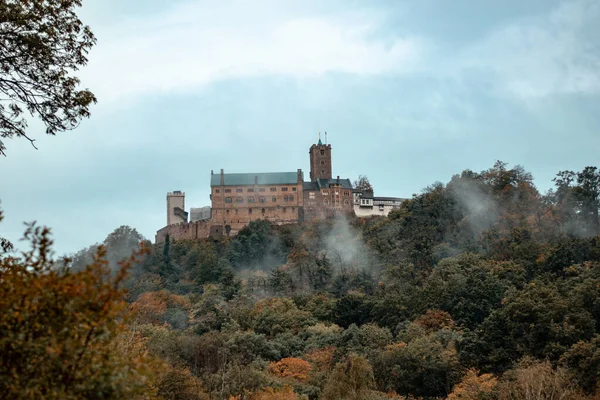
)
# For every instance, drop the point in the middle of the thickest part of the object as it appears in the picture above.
(276, 197)
(189, 231)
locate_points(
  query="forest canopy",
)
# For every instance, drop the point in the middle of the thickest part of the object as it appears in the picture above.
(479, 288)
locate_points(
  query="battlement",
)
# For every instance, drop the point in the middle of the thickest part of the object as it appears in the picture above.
(189, 231)
(176, 193)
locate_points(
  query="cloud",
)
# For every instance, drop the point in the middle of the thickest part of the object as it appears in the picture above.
(535, 57)
(200, 42)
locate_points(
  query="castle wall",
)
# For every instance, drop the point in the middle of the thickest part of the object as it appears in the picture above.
(237, 206)
(189, 231)
(327, 203)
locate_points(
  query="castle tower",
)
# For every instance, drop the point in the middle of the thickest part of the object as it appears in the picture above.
(176, 208)
(320, 161)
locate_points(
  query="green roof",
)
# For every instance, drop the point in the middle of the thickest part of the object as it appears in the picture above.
(264, 178)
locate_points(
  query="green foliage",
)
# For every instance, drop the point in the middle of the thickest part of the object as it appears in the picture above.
(43, 42)
(441, 298)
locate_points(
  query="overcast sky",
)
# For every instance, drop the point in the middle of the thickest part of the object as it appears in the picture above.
(410, 93)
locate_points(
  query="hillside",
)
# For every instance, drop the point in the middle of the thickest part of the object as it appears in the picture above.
(480, 288)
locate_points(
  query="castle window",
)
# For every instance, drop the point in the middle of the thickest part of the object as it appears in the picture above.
(291, 198)
(346, 202)
(294, 189)
(217, 191)
(250, 199)
(325, 193)
(261, 189)
(227, 190)
(285, 198)
(249, 211)
(228, 200)
(250, 190)
(239, 200)
(239, 190)
(326, 202)
(322, 172)
(227, 211)
(322, 162)
(284, 209)
(262, 199)
(311, 195)
(236, 213)
(284, 189)
(273, 189)
(263, 211)
(274, 199)
(322, 152)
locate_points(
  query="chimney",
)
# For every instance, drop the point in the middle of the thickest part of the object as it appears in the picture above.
(300, 178)
(256, 179)
(338, 180)
(222, 177)
(212, 172)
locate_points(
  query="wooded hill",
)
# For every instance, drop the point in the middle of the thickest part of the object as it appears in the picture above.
(481, 288)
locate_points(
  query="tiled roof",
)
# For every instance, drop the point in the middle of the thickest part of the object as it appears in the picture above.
(264, 178)
(324, 183)
(310, 186)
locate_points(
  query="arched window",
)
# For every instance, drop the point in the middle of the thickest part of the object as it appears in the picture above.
(326, 202)
(249, 211)
(291, 198)
(285, 198)
(239, 200)
(262, 199)
(228, 200)
(274, 199)
(250, 199)
(263, 211)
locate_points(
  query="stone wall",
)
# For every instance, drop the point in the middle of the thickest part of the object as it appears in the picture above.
(189, 231)
(237, 206)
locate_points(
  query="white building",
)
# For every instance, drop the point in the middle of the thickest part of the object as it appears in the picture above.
(367, 205)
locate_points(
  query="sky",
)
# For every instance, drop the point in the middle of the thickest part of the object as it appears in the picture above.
(410, 93)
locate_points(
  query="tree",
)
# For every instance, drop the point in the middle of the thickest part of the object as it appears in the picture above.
(61, 329)
(363, 184)
(42, 43)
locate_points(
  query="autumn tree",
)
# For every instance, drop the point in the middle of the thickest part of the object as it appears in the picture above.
(42, 43)
(60, 329)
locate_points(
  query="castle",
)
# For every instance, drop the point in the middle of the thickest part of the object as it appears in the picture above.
(279, 197)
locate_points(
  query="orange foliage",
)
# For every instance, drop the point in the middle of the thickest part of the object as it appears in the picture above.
(322, 358)
(434, 320)
(474, 386)
(295, 368)
(151, 306)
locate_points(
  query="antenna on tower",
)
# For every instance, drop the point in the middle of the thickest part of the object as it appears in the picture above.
(325, 137)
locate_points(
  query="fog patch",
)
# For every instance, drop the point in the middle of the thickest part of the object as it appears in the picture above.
(480, 208)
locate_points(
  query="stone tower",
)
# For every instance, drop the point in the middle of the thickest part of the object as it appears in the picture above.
(320, 161)
(176, 208)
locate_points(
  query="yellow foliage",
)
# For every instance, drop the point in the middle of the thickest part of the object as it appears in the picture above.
(63, 333)
(291, 367)
(474, 386)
